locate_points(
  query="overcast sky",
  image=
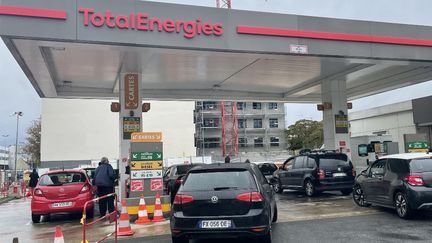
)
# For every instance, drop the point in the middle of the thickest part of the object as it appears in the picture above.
(17, 94)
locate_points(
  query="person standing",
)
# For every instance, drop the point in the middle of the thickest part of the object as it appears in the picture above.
(104, 180)
(34, 177)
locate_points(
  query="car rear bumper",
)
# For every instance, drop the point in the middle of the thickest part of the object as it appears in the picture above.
(420, 197)
(335, 186)
(42, 205)
(255, 223)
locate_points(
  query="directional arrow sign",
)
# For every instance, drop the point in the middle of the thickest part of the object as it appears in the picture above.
(417, 145)
(146, 174)
(146, 156)
(146, 165)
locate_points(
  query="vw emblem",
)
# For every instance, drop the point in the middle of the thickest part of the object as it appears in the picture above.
(214, 199)
(61, 190)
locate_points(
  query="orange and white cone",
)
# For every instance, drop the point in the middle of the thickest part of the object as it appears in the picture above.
(124, 228)
(158, 214)
(142, 212)
(58, 237)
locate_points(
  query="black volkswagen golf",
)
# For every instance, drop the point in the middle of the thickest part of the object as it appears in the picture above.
(400, 181)
(223, 201)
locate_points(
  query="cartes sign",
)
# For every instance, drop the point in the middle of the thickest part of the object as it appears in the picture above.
(131, 91)
(146, 174)
(156, 185)
(143, 137)
(137, 185)
(146, 156)
(146, 165)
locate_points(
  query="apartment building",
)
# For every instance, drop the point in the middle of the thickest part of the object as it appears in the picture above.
(260, 128)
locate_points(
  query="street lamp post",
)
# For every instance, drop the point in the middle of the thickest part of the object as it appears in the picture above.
(18, 114)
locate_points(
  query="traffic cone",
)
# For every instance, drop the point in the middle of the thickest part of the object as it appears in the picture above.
(124, 228)
(158, 214)
(58, 237)
(142, 212)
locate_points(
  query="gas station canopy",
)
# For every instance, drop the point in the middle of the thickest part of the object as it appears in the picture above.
(79, 49)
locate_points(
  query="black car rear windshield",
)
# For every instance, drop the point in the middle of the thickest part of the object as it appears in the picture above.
(219, 180)
(333, 160)
(421, 165)
(61, 178)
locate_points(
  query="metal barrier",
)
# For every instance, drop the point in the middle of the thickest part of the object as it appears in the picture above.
(110, 215)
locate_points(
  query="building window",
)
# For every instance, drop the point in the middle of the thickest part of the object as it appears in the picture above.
(241, 123)
(258, 142)
(242, 142)
(209, 105)
(256, 105)
(257, 123)
(274, 141)
(211, 122)
(241, 105)
(274, 123)
(273, 106)
(211, 143)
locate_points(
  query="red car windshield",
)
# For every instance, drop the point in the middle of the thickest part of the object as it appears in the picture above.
(62, 178)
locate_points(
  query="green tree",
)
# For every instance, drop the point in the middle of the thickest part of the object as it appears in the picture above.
(33, 142)
(305, 134)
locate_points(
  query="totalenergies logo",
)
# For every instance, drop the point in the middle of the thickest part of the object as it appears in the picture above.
(142, 22)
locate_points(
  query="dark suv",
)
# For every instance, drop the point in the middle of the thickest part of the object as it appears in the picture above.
(172, 178)
(401, 181)
(316, 172)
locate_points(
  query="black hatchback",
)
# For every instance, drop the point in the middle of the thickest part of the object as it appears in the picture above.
(316, 172)
(223, 201)
(401, 181)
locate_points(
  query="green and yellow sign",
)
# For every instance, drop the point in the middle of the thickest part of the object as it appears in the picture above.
(146, 165)
(146, 156)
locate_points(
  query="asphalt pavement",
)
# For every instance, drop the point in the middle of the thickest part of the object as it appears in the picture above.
(329, 217)
(384, 226)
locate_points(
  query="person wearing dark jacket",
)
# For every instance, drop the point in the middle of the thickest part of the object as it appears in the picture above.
(34, 177)
(104, 180)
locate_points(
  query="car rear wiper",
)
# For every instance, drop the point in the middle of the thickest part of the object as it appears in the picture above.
(224, 188)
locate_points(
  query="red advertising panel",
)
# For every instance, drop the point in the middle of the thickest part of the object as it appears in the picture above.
(156, 185)
(137, 185)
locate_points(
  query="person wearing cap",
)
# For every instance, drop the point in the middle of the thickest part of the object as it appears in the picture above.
(104, 180)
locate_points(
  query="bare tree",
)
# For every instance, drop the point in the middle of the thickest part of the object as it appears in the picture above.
(33, 143)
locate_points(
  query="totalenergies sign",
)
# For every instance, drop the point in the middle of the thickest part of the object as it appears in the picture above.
(143, 22)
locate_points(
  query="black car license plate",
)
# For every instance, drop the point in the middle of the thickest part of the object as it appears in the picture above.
(215, 224)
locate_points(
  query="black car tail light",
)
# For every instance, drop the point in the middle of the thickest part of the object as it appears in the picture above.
(258, 229)
(414, 180)
(183, 199)
(354, 173)
(250, 197)
(321, 174)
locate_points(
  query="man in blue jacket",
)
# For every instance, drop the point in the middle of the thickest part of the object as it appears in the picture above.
(104, 180)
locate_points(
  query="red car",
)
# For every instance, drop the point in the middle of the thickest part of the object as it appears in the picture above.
(60, 192)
